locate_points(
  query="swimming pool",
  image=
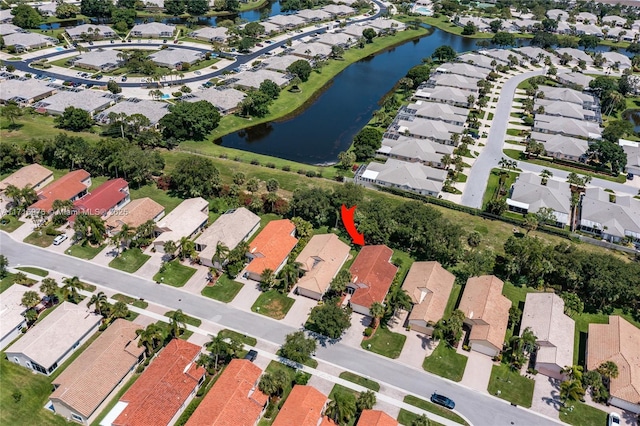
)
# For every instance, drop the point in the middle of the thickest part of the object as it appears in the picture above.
(59, 49)
(166, 96)
(423, 10)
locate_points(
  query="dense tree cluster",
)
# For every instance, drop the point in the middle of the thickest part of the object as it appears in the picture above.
(74, 119)
(190, 120)
(25, 16)
(195, 176)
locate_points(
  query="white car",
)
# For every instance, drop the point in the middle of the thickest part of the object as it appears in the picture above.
(614, 419)
(59, 239)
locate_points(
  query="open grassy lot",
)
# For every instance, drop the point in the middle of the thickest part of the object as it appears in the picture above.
(187, 319)
(10, 223)
(359, 380)
(130, 260)
(583, 415)
(445, 362)
(225, 289)
(433, 408)
(385, 342)
(174, 274)
(130, 301)
(34, 271)
(85, 251)
(36, 126)
(39, 238)
(247, 340)
(406, 418)
(273, 304)
(512, 386)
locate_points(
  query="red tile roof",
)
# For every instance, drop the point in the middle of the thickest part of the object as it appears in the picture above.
(102, 199)
(234, 400)
(164, 386)
(303, 407)
(272, 246)
(65, 188)
(373, 274)
(376, 418)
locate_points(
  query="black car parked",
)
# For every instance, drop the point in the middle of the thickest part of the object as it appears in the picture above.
(251, 355)
(443, 400)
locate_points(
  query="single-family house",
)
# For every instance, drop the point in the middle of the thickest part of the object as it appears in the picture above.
(303, 407)
(279, 63)
(269, 28)
(90, 32)
(557, 15)
(617, 341)
(227, 100)
(611, 217)
(564, 109)
(99, 60)
(153, 30)
(533, 53)
(486, 311)
(422, 128)
(311, 50)
(529, 194)
(589, 29)
(632, 149)
(138, 212)
(372, 274)
(70, 187)
(234, 399)
(406, 148)
(336, 39)
(33, 176)
(453, 80)
(163, 390)
(91, 101)
(24, 92)
(253, 79)
(104, 200)
(92, 378)
(287, 22)
(576, 54)
(12, 319)
(5, 16)
(445, 94)
(186, 220)
(480, 23)
(562, 147)
(544, 315)
(26, 41)
(403, 176)
(429, 286)
(376, 418)
(566, 126)
(587, 18)
(174, 58)
(385, 25)
(463, 69)
(614, 21)
(354, 30)
(9, 29)
(478, 60)
(229, 230)
(505, 57)
(51, 341)
(313, 15)
(271, 247)
(617, 60)
(153, 110)
(575, 79)
(211, 34)
(338, 10)
(321, 260)
(436, 111)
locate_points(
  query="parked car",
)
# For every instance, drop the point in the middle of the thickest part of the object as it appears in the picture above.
(268, 41)
(630, 176)
(614, 419)
(251, 355)
(59, 239)
(443, 400)
(90, 43)
(124, 78)
(259, 44)
(164, 41)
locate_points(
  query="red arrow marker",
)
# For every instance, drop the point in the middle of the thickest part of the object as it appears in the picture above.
(350, 226)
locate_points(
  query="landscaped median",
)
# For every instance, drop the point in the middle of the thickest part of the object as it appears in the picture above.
(406, 417)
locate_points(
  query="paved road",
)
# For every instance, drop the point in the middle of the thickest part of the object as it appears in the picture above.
(492, 152)
(481, 409)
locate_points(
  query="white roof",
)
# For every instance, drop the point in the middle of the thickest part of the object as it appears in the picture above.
(312, 49)
(280, 63)
(411, 176)
(88, 100)
(153, 28)
(223, 99)
(27, 89)
(153, 110)
(620, 218)
(9, 29)
(255, 78)
(286, 20)
(212, 32)
(55, 335)
(174, 56)
(229, 229)
(99, 58)
(556, 194)
(11, 309)
(27, 39)
(463, 69)
(84, 28)
(184, 220)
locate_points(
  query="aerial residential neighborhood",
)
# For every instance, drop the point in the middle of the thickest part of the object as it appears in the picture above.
(343, 212)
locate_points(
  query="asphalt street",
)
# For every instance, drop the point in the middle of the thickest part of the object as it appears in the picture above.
(480, 409)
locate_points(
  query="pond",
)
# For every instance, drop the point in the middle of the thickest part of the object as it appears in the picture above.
(633, 115)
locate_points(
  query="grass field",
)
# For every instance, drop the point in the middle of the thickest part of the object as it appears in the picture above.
(130, 301)
(187, 319)
(225, 289)
(359, 380)
(84, 252)
(406, 418)
(36, 126)
(445, 362)
(385, 342)
(7, 282)
(39, 238)
(34, 271)
(175, 274)
(583, 415)
(130, 260)
(433, 408)
(10, 223)
(512, 386)
(273, 304)
(247, 340)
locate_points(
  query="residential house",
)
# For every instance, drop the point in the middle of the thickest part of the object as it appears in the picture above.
(612, 217)
(565, 109)
(271, 248)
(385, 25)
(99, 60)
(422, 128)
(336, 39)
(448, 95)
(234, 399)
(503, 56)
(590, 29)
(478, 60)
(632, 149)
(229, 230)
(104, 200)
(480, 23)
(253, 79)
(403, 176)
(91, 101)
(321, 260)
(287, 22)
(614, 21)
(24, 92)
(90, 32)
(137, 212)
(185, 221)
(617, 341)
(33, 176)
(311, 50)
(562, 147)
(313, 15)
(557, 15)
(617, 60)
(26, 41)
(576, 54)
(429, 286)
(587, 18)
(533, 53)
(414, 150)
(338, 10)
(70, 187)
(575, 79)
(544, 314)
(436, 111)
(354, 30)
(12, 319)
(566, 126)
(175, 58)
(153, 110)
(279, 63)
(486, 311)
(227, 100)
(303, 407)
(163, 390)
(211, 34)
(9, 29)
(269, 28)
(469, 84)
(55, 338)
(153, 30)
(372, 274)
(529, 195)
(463, 69)
(376, 418)
(91, 379)
(5, 16)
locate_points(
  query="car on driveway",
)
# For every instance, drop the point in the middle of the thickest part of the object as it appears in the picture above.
(614, 419)
(443, 400)
(59, 239)
(251, 355)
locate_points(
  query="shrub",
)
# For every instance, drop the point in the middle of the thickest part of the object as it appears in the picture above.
(255, 162)
(53, 232)
(224, 156)
(368, 331)
(286, 168)
(176, 94)
(271, 165)
(301, 171)
(238, 159)
(301, 378)
(310, 173)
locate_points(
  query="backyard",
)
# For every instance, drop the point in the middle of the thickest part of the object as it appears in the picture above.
(273, 304)
(174, 274)
(446, 362)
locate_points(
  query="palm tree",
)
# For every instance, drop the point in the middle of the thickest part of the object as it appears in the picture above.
(119, 310)
(273, 384)
(15, 194)
(170, 248)
(545, 175)
(366, 400)
(124, 236)
(221, 254)
(608, 370)
(342, 408)
(423, 420)
(187, 248)
(399, 299)
(177, 323)
(573, 372)
(218, 347)
(50, 288)
(446, 160)
(267, 279)
(290, 274)
(571, 390)
(30, 299)
(99, 300)
(376, 310)
(150, 337)
(71, 287)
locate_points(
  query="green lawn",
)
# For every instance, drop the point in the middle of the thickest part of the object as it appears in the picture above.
(174, 274)
(445, 362)
(247, 340)
(9, 223)
(39, 238)
(273, 304)
(7, 282)
(187, 319)
(129, 260)
(158, 195)
(85, 252)
(130, 301)
(34, 126)
(385, 342)
(225, 289)
(23, 397)
(512, 386)
(34, 271)
(453, 300)
(406, 418)
(359, 380)
(583, 415)
(516, 294)
(494, 183)
(433, 408)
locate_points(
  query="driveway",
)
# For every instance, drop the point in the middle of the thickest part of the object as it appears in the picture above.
(354, 334)
(299, 312)
(477, 372)
(247, 295)
(416, 348)
(546, 396)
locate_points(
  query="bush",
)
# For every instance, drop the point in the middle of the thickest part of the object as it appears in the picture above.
(301, 172)
(286, 168)
(368, 331)
(52, 232)
(255, 162)
(176, 94)
(271, 165)
(301, 378)
(238, 159)
(310, 173)
(223, 156)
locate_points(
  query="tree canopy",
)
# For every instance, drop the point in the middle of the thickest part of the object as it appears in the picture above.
(300, 68)
(190, 120)
(74, 119)
(195, 176)
(366, 142)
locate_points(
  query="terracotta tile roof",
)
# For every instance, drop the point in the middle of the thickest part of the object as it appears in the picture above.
(617, 341)
(234, 400)
(303, 407)
(102, 199)
(65, 188)
(85, 383)
(372, 274)
(484, 305)
(272, 246)
(376, 418)
(30, 175)
(326, 421)
(321, 258)
(429, 286)
(163, 388)
(137, 212)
